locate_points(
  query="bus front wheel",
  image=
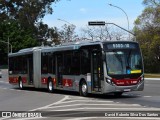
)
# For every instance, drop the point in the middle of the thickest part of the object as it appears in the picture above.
(50, 86)
(83, 89)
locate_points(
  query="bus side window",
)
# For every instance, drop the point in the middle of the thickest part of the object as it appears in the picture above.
(76, 63)
(11, 65)
(85, 62)
(67, 63)
(44, 63)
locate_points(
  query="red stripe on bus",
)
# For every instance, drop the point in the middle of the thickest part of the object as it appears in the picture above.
(24, 79)
(13, 80)
(125, 82)
(44, 80)
(54, 81)
(67, 82)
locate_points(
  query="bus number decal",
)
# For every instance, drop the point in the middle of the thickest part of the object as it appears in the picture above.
(120, 45)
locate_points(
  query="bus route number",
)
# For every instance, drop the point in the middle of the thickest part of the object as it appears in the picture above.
(121, 46)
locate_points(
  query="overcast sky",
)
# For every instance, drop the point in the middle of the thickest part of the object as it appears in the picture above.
(79, 12)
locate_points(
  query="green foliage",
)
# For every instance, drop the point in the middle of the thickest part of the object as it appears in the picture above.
(19, 24)
(147, 29)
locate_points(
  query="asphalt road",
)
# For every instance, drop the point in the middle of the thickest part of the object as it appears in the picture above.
(70, 106)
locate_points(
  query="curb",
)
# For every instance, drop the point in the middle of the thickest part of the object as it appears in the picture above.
(151, 78)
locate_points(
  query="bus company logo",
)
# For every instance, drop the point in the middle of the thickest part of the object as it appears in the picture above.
(6, 115)
(127, 82)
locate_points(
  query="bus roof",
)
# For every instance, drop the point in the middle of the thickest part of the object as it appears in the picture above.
(62, 47)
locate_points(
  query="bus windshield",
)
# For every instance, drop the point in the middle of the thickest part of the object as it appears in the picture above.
(127, 61)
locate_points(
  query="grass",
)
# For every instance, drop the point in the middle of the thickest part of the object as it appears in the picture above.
(150, 75)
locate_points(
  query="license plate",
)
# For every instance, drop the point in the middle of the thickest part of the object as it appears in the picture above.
(126, 90)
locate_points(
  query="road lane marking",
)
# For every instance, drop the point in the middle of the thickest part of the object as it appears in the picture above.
(151, 79)
(4, 82)
(14, 89)
(89, 108)
(86, 101)
(56, 103)
(147, 96)
(94, 105)
(143, 118)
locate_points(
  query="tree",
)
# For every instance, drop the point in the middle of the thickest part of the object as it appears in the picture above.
(147, 30)
(103, 33)
(67, 34)
(19, 19)
(26, 11)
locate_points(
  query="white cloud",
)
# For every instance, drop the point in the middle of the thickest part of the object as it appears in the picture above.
(83, 10)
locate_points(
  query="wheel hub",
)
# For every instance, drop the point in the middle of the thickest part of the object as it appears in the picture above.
(84, 88)
(50, 86)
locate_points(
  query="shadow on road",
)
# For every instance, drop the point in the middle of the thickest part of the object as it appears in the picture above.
(71, 93)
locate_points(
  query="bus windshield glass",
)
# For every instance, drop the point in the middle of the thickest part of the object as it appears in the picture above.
(124, 61)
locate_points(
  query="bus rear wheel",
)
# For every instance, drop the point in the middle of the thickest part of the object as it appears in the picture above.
(20, 84)
(83, 89)
(50, 86)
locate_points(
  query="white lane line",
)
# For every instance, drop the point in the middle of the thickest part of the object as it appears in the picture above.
(131, 105)
(136, 118)
(88, 108)
(86, 101)
(56, 103)
(14, 89)
(147, 96)
(79, 98)
(3, 88)
(151, 79)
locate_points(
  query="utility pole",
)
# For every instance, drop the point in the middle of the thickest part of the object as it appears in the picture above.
(124, 13)
(102, 23)
(8, 45)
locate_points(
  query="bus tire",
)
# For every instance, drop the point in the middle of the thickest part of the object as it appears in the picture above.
(83, 88)
(50, 86)
(20, 84)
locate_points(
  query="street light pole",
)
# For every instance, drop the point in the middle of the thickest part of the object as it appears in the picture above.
(64, 21)
(8, 45)
(123, 12)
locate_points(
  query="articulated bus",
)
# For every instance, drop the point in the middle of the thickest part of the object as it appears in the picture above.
(86, 67)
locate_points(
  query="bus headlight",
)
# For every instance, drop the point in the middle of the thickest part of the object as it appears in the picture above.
(109, 81)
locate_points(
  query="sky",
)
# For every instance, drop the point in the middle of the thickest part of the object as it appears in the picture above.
(79, 12)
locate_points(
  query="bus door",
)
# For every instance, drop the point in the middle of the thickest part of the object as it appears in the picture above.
(30, 69)
(59, 70)
(96, 70)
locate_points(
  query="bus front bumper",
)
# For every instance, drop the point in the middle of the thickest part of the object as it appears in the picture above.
(113, 88)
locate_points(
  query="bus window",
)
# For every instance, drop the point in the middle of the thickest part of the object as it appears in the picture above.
(85, 62)
(44, 63)
(67, 63)
(76, 63)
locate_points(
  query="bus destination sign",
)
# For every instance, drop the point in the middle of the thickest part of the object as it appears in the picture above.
(120, 46)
